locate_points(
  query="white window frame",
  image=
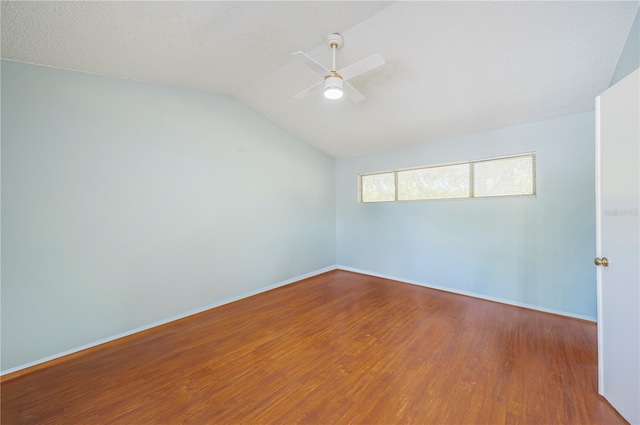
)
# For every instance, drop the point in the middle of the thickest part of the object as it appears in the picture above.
(471, 179)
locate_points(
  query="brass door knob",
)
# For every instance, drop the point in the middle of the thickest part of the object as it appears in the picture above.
(604, 261)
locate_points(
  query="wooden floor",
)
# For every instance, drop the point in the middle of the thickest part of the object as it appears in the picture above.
(333, 349)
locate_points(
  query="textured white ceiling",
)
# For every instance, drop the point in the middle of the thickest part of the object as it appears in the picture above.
(452, 67)
(216, 46)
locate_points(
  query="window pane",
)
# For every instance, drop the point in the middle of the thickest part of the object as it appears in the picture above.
(508, 176)
(450, 181)
(378, 187)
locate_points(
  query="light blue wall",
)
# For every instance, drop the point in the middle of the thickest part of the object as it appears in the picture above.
(630, 58)
(535, 250)
(126, 203)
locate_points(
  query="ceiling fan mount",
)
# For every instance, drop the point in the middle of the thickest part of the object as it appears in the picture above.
(335, 82)
(335, 40)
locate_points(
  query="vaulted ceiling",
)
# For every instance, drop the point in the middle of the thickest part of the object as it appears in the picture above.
(451, 68)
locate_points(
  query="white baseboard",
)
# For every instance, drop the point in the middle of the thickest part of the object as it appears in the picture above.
(470, 294)
(170, 319)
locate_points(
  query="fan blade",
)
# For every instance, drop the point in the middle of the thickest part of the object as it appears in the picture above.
(316, 87)
(353, 94)
(311, 63)
(361, 67)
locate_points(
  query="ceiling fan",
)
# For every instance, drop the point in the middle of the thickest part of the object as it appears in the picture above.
(335, 82)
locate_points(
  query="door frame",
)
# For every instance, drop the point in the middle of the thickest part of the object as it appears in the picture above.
(599, 326)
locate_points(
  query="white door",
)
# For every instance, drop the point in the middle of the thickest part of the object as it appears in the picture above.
(618, 241)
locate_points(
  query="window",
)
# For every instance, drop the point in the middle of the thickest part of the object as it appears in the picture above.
(379, 187)
(449, 181)
(506, 176)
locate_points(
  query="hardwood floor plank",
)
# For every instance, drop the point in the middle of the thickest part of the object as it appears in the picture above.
(337, 348)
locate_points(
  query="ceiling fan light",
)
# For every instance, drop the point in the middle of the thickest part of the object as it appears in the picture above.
(333, 88)
(333, 93)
